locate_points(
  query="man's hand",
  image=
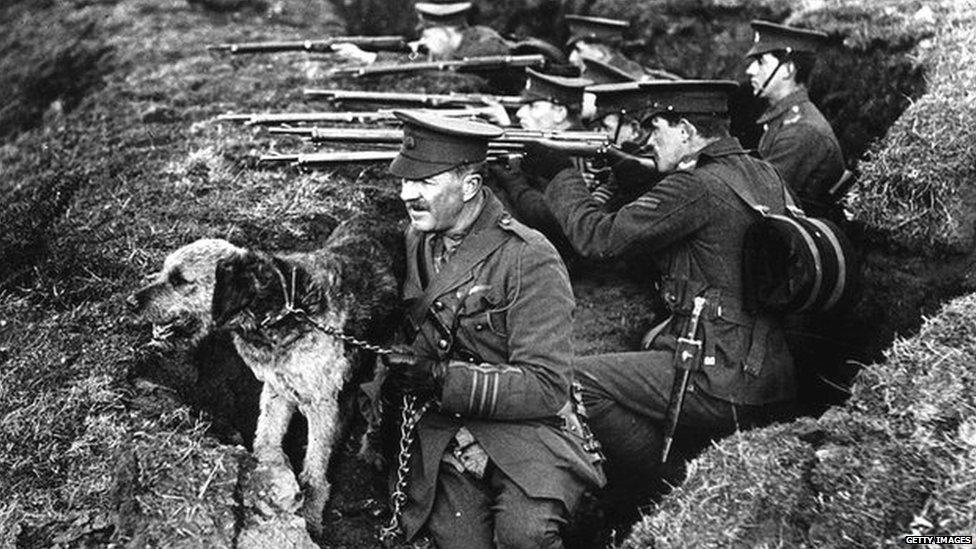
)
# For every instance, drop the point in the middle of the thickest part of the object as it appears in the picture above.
(544, 161)
(353, 52)
(410, 374)
(633, 173)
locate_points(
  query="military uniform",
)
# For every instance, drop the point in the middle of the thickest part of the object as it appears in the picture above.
(514, 187)
(797, 139)
(692, 223)
(499, 462)
(800, 143)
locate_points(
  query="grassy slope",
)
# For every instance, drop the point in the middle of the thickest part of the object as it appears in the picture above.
(84, 448)
(89, 453)
(919, 178)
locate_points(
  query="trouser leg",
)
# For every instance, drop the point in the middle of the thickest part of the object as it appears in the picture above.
(522, 522)
(461, 517)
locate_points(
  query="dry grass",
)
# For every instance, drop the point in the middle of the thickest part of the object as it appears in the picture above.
(894, 460)
(916, 184)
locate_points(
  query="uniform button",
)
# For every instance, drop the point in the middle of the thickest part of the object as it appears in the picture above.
(442, 344)
(471, 359)
(438, 305)
(479, 327)
(506, 220)
(457, 415)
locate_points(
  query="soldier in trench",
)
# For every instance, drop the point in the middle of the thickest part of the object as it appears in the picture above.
(692, 224)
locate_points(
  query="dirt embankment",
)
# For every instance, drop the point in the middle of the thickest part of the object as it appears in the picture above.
(110, 160)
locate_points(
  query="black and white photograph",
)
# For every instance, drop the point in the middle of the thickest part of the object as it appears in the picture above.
(512, 274)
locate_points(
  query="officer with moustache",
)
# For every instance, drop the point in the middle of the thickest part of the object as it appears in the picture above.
(501, 459)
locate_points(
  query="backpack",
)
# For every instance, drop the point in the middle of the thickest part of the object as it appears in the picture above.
(793, 263)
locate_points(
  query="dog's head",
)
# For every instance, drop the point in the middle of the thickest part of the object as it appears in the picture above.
(254, 282)
(176, 300)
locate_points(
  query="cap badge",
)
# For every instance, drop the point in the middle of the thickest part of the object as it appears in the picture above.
(409, 142)
(755, 38)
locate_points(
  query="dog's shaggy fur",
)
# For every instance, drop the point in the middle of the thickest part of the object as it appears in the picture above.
(350, 284)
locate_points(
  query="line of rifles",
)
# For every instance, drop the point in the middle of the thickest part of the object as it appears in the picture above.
(383, 142)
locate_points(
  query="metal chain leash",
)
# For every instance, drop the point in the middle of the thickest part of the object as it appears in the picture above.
(409, 418)
(410, 415)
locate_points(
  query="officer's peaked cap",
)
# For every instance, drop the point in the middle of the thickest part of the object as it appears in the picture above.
(688, 97)
(595, 29)
(769, 37)
(562, 90)
(443, 13)
(601, 72)
(434, 144)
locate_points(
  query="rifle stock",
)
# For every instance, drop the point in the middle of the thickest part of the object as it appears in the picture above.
(490, 62)
(421, 99)
(376, 43)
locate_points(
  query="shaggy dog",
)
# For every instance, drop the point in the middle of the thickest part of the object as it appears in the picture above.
(278, 308)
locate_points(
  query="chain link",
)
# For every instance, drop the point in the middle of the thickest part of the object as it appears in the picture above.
(410, 415)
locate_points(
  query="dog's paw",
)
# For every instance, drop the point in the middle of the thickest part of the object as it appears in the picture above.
(274, 489)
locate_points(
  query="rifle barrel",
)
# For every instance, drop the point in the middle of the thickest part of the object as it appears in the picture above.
(466, 64)
(425, 99)
(389, 43)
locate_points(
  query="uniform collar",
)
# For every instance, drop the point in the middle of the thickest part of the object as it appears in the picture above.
(723, 147)
(484, 236)
(775, 111)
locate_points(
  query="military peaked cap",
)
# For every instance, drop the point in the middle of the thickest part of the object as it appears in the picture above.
(625, 98)
(562, 90)
(601, 72)
(770, 37)
(441, 13)
(433, 144)
(688, 97)
(595, 29)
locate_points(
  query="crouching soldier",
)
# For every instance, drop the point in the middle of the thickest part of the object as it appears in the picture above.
(692, 224)
(501, 459)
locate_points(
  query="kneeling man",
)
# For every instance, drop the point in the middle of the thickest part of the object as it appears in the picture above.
(501, 459)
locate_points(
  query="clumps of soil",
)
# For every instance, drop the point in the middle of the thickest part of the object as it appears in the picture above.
(891, 462)
(915, 184)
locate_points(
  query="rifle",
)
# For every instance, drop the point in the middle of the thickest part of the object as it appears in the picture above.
(511, 137)
(421, 99)
(485, 63)
(374, 43)
(687, 356)
(268, 119)
(312, 160)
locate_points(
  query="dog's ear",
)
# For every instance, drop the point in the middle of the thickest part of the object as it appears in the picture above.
(234, 288)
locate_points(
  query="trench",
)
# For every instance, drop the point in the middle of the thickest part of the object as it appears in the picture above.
(899, 286)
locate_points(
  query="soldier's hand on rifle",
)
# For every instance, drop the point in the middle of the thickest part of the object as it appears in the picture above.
(353, 52)
(633, 173)
(544, 161)
(496, 113)
(411, 374)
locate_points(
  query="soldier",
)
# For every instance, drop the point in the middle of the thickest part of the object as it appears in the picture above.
(692, 224)
(797, 139)
(444, 34)
(501, 459)
(551, 103)
(600, 39)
